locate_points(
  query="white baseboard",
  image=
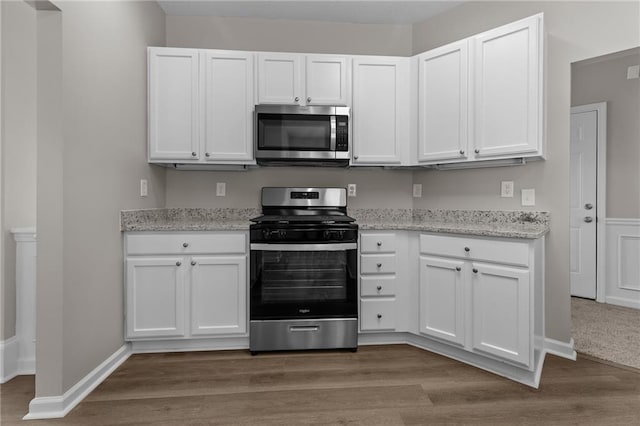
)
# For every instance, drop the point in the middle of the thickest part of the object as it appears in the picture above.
(561, 349)
(52, 407)
(623, 301)
(8, 359)
(182, 345)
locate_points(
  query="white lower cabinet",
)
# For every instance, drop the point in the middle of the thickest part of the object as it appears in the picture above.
(469, 299)
(185, 285)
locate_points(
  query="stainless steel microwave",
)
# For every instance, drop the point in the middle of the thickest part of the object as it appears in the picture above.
(308, 135)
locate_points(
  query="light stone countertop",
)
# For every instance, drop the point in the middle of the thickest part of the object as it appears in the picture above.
(504, 224)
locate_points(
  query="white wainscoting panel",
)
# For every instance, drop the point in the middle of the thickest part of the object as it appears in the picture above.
(623, 262)
(8, 359)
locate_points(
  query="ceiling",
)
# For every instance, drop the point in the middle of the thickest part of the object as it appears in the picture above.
(362, 12)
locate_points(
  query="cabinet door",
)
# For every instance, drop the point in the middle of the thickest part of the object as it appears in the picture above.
(228, 106)
(218, 295)
(155, 297)
(326, 80)
(279, 78)
(442, 298)
(380, 108)
(173, 104)
(442, 103)
(501, 313)
(508, 89)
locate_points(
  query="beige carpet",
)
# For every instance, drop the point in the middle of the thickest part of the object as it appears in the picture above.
(605, 331)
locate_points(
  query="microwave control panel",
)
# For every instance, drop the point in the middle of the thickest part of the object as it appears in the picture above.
(342, 133)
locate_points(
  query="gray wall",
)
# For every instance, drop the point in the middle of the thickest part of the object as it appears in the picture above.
(605, 80)
(92, 174)
(575, 31)
(19, 141)
(375, 188)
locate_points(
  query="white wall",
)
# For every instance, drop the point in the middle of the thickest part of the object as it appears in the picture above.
(91, 174)
(604, 79)
(575, 31)
(19, 141)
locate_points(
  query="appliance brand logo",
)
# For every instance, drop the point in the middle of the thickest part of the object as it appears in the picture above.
(304, 310)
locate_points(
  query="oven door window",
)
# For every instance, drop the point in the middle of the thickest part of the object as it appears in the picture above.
(303, 284)
(290, 132)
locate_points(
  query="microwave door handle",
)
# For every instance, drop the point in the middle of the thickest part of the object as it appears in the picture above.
(332, 142)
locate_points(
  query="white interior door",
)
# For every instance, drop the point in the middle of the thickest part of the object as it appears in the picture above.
(583, 169)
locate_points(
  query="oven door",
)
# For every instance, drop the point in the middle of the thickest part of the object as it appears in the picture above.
(300, 281)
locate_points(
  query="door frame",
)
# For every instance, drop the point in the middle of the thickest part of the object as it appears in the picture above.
(601, 191)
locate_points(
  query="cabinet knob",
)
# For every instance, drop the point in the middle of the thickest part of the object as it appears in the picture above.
(206, 154)
(185, 245)
(178, 263)
(379, 316)
(193, 154)
(462, 152)
(309, 99)
(379, 243)
(477, 151)
(355, 157)
(296, 99)
(379, 265)
(379, 287)
(193, 263)
(467, 249)
(458, 268)
(475, 271)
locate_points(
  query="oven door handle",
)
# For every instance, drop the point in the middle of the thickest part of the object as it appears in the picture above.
(304, 247)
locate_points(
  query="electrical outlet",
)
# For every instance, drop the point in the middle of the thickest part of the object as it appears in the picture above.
(506, 189)
(144, 188)
(221, 189)
(351, 190)
(417, 190)
(528, 197)
(633, 72)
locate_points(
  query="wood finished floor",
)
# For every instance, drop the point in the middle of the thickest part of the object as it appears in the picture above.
(378, 385)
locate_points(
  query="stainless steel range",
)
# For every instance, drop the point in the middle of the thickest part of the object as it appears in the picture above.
(303, 290)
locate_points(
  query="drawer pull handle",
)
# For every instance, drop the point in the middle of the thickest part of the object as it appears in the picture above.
(185, 245)
(458, 268)
(467, 249)
(379, 287)
(379, 316)
(193, 263)
(178, 263)
(379, 265)
(379, 243)
(475, 271)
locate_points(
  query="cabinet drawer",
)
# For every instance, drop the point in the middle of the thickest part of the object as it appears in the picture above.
(186, 243)
(377, 314)
(378, 264)
(377, 286)
(378, 243)
(510, 252)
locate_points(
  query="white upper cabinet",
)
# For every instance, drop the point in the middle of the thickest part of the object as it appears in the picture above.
(380, 110)
(294, 79)
(200, 106)
(507, 89)
(443, 76)
(228, 105)
(174, 98)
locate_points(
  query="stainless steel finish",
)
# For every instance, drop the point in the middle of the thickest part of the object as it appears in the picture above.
(194, 263)
(304, 247)
(185, 245)
(588, 206)
(330, 333)
(281, 197)
(379, 316)
(299, 155)
(178, 263)
(458, 268)
(588, 219)
(304, 110)
(332, 140)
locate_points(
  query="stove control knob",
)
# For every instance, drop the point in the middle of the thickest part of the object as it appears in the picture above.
(282, 234)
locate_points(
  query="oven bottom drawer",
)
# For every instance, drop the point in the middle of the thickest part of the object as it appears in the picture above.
(283, 335)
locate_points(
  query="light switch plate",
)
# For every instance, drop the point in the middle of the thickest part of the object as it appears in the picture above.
(144, 188)
(221, 189)
(506, 189)
(351, 190)
(417, 190)
(633, 72)
(528, 197)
